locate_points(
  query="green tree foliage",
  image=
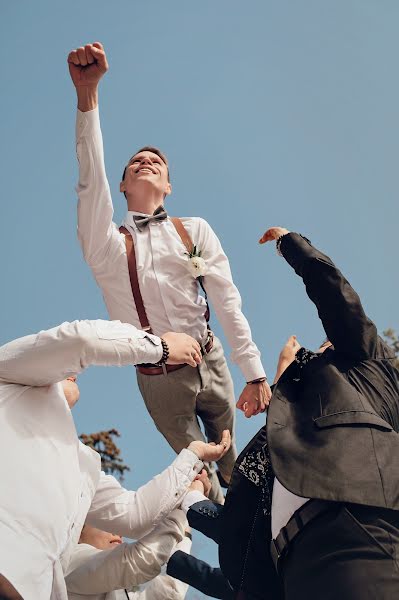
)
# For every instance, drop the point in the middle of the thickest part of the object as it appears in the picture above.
(103, 443)
(391, 337)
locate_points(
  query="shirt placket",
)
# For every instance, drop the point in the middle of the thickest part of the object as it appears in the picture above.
(156, 244)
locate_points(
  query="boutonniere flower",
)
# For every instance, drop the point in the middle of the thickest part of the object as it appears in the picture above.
(196, 264)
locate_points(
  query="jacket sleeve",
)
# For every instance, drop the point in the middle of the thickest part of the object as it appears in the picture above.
(200, 575)
(50, 356)
(205, 516)
(338, 305)
(135, 513)
(127, 565)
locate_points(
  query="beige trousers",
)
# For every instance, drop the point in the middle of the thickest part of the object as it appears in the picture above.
(178, 401)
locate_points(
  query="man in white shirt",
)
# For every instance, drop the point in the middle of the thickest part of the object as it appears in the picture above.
(52, 483)
(163, 279)
(104, 568)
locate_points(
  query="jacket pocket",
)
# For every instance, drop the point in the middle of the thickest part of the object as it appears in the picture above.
(352, 417)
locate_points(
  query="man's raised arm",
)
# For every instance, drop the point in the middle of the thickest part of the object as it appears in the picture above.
(338, 305)
(96, 230)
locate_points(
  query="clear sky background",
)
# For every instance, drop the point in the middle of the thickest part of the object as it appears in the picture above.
(271, 112)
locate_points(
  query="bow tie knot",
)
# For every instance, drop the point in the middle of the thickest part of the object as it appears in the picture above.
(142, 221)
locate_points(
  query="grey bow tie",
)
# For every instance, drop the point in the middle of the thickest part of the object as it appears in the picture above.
(142, 221)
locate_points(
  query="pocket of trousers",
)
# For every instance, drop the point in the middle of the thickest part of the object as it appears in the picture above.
(386, 549)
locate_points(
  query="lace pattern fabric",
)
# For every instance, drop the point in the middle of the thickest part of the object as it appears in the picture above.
(256, 467)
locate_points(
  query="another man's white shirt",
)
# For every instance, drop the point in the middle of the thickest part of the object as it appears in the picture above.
(105, 574)
(170, 293)
(50, 481)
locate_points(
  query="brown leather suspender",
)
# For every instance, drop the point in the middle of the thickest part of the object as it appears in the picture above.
(132, 265)
(183, 233)
(134, 280)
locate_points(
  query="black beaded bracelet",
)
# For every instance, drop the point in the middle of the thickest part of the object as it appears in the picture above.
(165, 353)
(260, 380)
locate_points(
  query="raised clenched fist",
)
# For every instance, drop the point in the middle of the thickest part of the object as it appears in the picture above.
(87, 65)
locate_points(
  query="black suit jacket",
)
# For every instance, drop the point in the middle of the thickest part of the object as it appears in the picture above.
(243, 533)
(333, 426)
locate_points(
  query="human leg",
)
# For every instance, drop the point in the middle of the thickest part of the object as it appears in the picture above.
(216, 404)
(171, 401)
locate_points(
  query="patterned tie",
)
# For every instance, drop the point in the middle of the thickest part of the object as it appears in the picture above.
(142, 221)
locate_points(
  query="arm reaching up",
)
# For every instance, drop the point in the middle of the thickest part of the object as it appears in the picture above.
(87, 65)
(339, 307)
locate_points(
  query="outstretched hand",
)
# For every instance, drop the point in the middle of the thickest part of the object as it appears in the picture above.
(273, 233)
(290, 349)
(211, 451)
(87, 65)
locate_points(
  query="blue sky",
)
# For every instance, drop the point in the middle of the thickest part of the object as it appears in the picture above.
(271, 112)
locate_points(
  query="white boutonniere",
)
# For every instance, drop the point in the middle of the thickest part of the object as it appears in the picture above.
(196, 264)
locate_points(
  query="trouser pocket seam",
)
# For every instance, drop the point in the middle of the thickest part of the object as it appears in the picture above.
(369, 535)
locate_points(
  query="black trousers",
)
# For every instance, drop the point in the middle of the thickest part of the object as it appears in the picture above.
(348, 553)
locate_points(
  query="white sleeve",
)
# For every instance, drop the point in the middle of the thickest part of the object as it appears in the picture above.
(134, 514)
(226, 301)
(50, 356)
(127, 565)
(96, 231)
(165, 586)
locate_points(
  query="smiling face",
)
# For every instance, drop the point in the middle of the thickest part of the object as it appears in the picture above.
(146, 170)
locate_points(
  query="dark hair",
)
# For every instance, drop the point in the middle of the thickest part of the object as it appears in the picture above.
(152, 149)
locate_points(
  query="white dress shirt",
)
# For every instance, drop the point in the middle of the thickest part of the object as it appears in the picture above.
(99, 574)
(49, 479)
(169, 291)
(105, 574)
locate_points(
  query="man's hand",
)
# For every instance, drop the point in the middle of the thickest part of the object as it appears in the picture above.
(182, 349)
(289, 350)
(273, 234)
(286, 356)
(254, 398)
(87, 65)
(212, 451)
(201, 483)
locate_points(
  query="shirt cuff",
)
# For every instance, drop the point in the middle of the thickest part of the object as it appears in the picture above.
(252, 368)
(86, 122)
(191, 498)
(150, 351)
(188, 463)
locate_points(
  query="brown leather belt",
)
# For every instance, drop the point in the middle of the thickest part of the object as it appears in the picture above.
(301, 517)
(165, 369)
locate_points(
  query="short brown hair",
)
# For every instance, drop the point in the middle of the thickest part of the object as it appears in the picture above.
(154, 150)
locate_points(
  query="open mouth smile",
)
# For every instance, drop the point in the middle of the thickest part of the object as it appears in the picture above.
(146, 170)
